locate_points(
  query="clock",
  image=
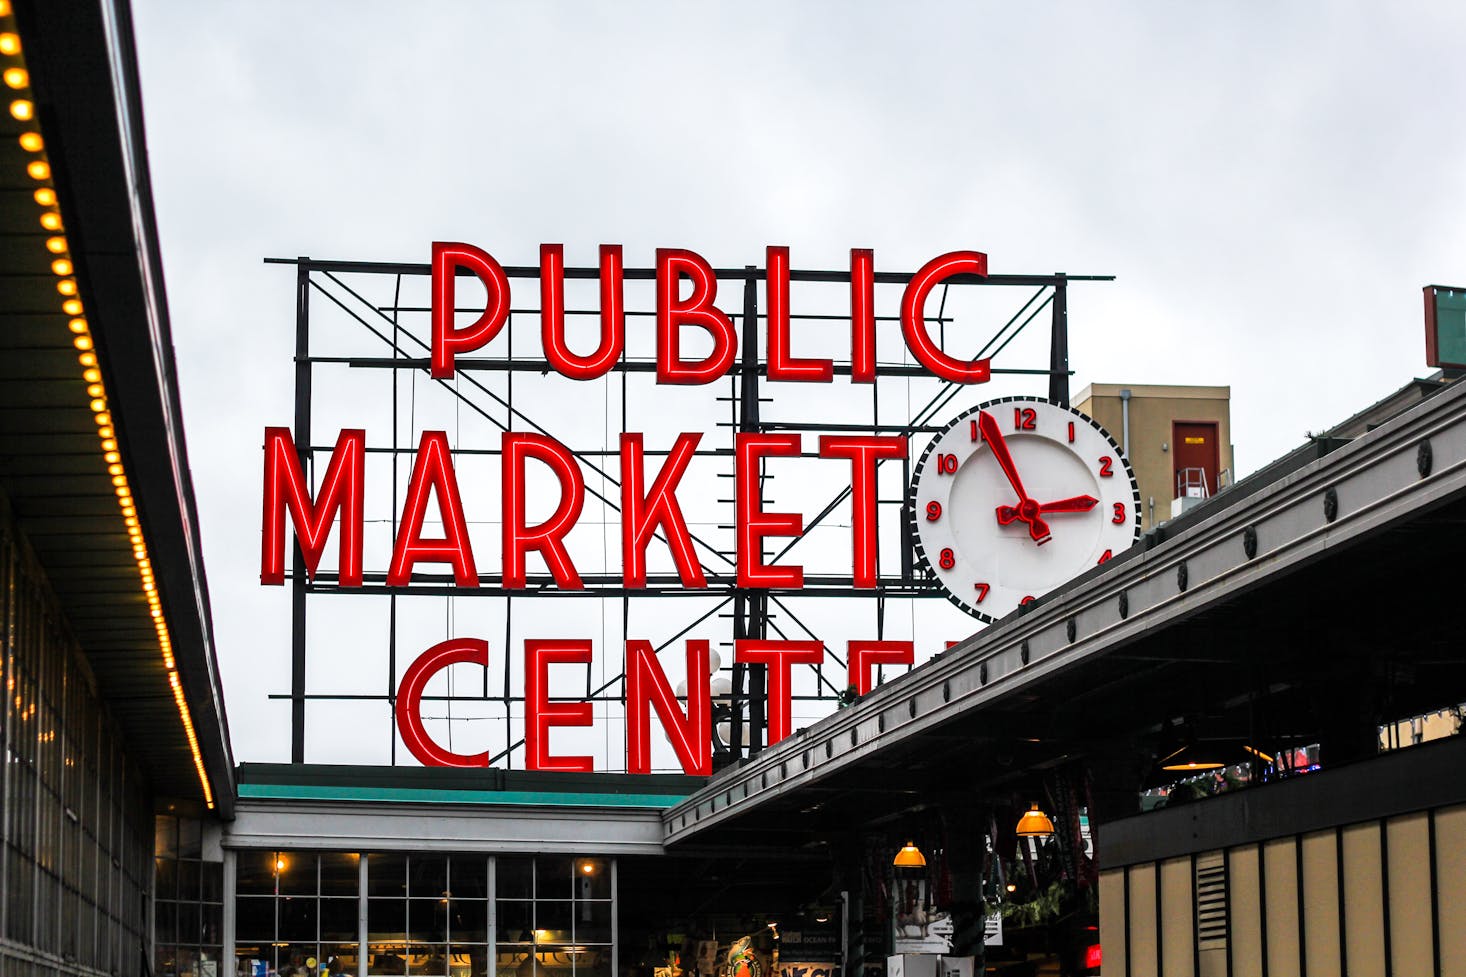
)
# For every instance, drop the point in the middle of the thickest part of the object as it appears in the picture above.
(1016, 496)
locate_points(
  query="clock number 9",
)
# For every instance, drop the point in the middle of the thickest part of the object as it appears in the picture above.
(1119, 513)
(933, 511)
(946, 464)
(947, 560)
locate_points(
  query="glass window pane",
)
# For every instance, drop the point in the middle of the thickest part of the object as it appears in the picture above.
(552, 876)
(340, 959)
(254, 919)
(190, 930)
(338, 920)
(256, 873)
(387, 919)
(212, 882)
(165, 836)
(387, 874)
(298, 919)
(386, 959)
(253, 960)
(592, 878)
(427, 875)
(167, 878)
(470, 876)
(297, 959)
(190, 838)
(188, 880)
(594, 962)
(592, 922)
(429, 961)
(339, 873)
(552, 922)
(427, 920)
(297, 873)
(468, 920)
(516, 921)
(514, 877)
(468, 961)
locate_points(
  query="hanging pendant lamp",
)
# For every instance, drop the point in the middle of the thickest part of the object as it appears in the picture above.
(909, 857)
(1035, 824)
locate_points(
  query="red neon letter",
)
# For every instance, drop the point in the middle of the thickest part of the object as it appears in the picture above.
(696, 310)
(549, 536)
(782, 366)
(781, 657)
(432, 471)
(913, 316)
(863, 450)
(862, 315)
(341, 491)
(640, 516)
(753, 523)
(691, 736)
(409, 701)
(863, 655)
(540, 713)
(552, 314)
(448, 341)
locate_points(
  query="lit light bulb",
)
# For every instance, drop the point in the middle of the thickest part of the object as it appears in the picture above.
(32, 142)
(61, 266)
(51, 220)
(22, 110)
(56, 245)
(38, 169)
(16, 77)
(9, 43)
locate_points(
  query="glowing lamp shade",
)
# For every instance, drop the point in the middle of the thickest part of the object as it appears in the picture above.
(1035, 824)
(909, 857)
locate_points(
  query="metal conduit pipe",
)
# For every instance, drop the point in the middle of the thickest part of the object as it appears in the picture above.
(1125, 420)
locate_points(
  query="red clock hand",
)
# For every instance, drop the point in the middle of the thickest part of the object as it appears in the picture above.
(1027, 509)
(1079, 503)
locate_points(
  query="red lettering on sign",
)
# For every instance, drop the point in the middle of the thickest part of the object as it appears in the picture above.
(913, 316)
(641, 515)
(781, 657)
(552, 314)
(862, 315)
(782, 365)
(647, 687)
(754, 524)
(432, 471)
(540, 713)
(548, 538)
(673, 312)
(864, 451)
(408, 708)
(448, 340)
(340, 493)
(862, 656)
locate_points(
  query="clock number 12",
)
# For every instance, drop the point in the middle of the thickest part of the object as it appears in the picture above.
(1024, 419)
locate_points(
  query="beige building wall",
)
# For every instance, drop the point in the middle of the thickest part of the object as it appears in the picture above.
(1153, 409)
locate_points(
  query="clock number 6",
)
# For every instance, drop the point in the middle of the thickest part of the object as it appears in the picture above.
(933, 511)
(947, 560)
(1119, 513)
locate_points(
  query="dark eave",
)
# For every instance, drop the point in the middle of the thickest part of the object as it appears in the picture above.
(83, 73)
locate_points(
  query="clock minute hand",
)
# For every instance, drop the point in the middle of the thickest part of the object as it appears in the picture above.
(1027, 509)
(1079, 503)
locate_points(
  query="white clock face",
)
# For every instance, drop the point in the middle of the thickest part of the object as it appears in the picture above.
(1017, 496)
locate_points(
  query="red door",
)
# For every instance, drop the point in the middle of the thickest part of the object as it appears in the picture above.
(1196, 458)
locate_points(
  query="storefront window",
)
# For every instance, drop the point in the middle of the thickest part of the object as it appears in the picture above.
(189, 900)
(298, 914)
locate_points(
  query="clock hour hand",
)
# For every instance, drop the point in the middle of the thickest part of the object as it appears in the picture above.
(1027, 509)
(1079, 503)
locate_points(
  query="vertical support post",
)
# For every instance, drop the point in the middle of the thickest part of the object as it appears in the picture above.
(303, 446)
(361, 913)
(1059, 343)
(754, 608)
(230, 882)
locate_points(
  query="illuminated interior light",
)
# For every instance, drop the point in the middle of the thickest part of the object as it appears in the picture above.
(9, 43)
(114, 469)
(22, 109)
(77, 325)
(82, 342)
(104, 432)
(123, 492)
(46, 197)
(66, 286)
(61, 266)
(16, 77)
(57, 245)
(71, 306)
(95, 390)
(93, 375)
(38, 169)
(109, 445)
(51, 221)
(32, 142)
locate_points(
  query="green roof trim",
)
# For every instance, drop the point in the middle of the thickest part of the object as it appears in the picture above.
(421, 795)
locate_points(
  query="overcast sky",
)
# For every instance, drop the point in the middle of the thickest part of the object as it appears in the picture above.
(1270, 183)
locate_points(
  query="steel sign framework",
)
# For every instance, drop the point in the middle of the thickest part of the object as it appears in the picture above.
(361, 326)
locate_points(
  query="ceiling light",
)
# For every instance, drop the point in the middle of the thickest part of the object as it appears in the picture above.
(909, 857)
(1035, 824)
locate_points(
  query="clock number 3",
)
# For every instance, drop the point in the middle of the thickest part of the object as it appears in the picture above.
(933, 511)
(1119, 513)
(947, 560)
